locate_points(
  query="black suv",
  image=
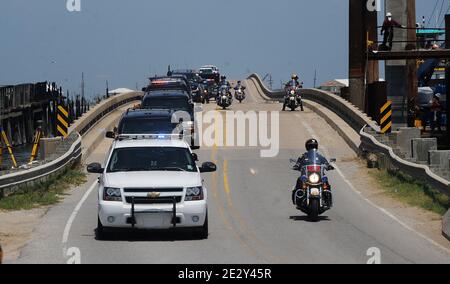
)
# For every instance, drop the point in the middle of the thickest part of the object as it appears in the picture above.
(155, 122)
(176, 83)
(195, 82)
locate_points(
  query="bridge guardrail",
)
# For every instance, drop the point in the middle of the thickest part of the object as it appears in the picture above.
(348, 112)
(14, 181)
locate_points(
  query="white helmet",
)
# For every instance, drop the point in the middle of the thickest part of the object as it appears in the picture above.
(389, 15)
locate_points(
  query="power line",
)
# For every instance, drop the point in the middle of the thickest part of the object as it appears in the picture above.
(443, 20)
(440, 12)
(432, 14)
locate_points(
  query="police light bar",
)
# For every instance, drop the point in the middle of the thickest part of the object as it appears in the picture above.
(122, 137)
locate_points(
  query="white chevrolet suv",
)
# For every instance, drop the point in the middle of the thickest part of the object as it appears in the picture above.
(152, 183)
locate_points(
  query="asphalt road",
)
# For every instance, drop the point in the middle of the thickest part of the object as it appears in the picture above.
(251, 216)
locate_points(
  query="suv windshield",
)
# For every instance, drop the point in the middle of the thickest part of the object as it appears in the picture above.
(147, 126)
(151, 159)
(171, 103)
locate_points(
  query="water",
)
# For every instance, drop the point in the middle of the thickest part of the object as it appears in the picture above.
(22, 154)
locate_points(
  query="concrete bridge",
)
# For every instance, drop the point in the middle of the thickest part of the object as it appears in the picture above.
(252, 219)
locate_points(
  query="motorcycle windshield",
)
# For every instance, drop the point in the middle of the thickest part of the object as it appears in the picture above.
(313, 158)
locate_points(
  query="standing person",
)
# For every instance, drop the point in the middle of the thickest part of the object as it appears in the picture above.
(436, 113)
(388, 31)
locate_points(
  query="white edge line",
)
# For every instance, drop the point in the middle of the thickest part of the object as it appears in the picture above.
(75, 213)
(386, 212)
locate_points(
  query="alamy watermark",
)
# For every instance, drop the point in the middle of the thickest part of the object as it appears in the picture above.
(249, 129)
(374, 255)
(73, 5)
(373, 5)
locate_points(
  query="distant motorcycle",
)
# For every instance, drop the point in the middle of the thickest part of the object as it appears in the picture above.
(240, 94)
(293, 98)
(315, 197)
(224, 99)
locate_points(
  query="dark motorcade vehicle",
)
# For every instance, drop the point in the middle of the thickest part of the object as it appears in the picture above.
(179, 103)
(176, 83)
(210, 72)
(314, 197)
(195, 81)
(154, 122)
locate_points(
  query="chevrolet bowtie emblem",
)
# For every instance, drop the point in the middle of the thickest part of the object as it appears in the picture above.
(153, 195)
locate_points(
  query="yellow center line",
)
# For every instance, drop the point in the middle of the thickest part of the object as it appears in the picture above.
(215, 186)
(237, 216)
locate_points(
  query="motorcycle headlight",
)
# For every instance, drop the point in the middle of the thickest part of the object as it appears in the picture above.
(112, 194)
(292, 92)
(315, 192)
(314, 178)
(224, 97)
(194, 193)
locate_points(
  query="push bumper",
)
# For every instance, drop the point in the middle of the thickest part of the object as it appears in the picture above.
(182, 215)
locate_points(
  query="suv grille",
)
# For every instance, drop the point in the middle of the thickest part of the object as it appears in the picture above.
(140, 190)
(148, 200)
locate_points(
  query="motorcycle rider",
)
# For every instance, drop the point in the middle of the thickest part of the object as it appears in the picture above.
(224, 82)
(294, 82)
(312, 146)
(239, 86)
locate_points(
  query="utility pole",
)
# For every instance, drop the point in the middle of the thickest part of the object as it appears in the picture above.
(411, 65)
(107, 89)
(82, 84)
(315, 78)
(447, 75)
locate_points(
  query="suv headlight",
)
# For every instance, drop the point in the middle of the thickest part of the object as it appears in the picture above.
(112, 194)
(314, 178)
(194, 193)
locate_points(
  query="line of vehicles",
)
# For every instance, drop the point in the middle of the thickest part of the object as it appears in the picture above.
(151, 178)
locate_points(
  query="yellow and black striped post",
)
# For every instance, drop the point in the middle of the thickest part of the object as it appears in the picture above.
(62, 122)
(8, 146)
(37, 140)
(386, 118)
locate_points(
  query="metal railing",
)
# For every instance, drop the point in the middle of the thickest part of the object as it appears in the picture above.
(14, 181)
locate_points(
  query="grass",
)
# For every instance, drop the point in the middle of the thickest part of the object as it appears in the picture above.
(44, 194)
(412, 192)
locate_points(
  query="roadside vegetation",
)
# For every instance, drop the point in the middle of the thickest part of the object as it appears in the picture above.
(412, 192)
(44, 194)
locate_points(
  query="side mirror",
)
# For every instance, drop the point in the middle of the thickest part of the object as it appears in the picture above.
(95, 168)
(333, 160)
(195, 157)
(293, 161)
(208, 168)
(110, 135)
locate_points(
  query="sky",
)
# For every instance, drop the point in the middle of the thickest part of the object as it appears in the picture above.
(124, 42)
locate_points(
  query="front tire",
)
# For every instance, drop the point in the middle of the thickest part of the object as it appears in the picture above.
(203, 232)
(100, 234)
(314, 210)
